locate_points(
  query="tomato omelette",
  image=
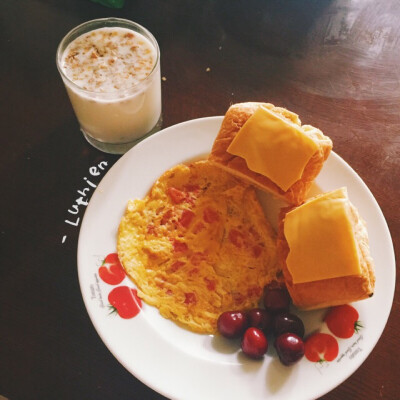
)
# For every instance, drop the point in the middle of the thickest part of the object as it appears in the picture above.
(198, 245)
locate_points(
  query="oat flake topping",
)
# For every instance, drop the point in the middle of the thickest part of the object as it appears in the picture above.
(108, 59)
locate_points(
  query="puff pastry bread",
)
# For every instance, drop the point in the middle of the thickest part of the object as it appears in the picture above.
(333, 291)
(234, 119)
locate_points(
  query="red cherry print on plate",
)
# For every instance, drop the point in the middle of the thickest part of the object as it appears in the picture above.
(321, 347)
(343, 321)
(111, 270)
(125, 301)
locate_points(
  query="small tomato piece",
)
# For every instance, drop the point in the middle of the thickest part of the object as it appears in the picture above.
(176, 195)
(186, 218)
(179, 247)
(236, 237)
(190, 298)
(176, 265)
(210, 284)
(166, 217)
(210, 215)
(198, 227)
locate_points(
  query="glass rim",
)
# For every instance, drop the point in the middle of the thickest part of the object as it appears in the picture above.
(108, 22)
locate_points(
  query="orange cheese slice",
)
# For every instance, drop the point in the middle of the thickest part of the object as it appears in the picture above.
(274, 147)
(321, 239)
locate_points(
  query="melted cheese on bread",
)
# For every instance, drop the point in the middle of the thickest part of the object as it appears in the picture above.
(274, 147)
(321, 239)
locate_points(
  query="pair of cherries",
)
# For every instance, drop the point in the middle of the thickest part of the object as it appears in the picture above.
(254, 326)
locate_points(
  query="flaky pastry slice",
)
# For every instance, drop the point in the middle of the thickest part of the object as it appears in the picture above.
(323, 250)
(278, 157)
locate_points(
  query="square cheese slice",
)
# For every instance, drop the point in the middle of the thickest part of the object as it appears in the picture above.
(274, 147)
(321, 239)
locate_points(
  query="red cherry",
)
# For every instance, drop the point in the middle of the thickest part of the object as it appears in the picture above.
(288, 323)
(232, 324)
(276, 300)
(261, 319)
(290, 348)
(254, 343)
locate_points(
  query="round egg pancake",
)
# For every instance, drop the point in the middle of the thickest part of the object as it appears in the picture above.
(198, 245)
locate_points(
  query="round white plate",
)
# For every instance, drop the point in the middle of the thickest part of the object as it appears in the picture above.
(183, 365)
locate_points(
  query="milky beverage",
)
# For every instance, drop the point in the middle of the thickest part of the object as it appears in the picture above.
(116, 85)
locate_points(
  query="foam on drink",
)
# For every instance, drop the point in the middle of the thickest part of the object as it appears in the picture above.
(109, 59)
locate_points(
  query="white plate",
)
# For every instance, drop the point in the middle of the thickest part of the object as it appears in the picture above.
(183, 365)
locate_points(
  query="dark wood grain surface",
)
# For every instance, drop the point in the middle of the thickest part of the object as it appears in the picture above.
(336, 63)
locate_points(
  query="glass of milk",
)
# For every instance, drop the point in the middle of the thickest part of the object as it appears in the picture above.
(111, 70)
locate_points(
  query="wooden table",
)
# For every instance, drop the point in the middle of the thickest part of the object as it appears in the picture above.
(335, 63)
